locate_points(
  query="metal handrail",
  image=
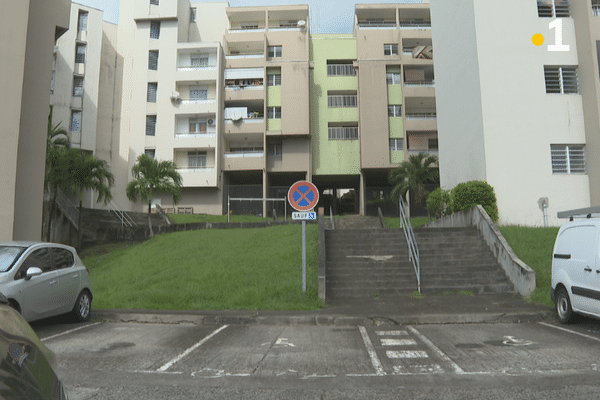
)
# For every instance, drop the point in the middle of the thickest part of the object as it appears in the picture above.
(413, 249)
(68, 208)
(123, 216)
(331, 215)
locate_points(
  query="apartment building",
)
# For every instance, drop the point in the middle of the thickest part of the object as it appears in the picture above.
(85, 88)
(523, 117)
(29, 29)
(373, 101)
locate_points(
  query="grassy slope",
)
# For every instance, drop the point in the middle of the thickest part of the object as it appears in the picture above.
(210, 269)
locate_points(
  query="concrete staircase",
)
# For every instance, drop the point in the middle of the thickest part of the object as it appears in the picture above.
(369, 263)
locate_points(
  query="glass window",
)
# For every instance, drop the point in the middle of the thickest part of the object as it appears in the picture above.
(150, 153)
(197, 126)
(274, 51)
(196, 159)
(152, 89)
(80, 54)
(396, 144)
(78, 86)
(393, 78)
(8, 256)
(390, 49)
(75, 120)
(394, 111)
(82, 21)
(153, 60)
(192, 15)
(154, 29)
(274, 112)
(561, 80)
(198, 92)
(40, 258)
(274, 149)
(567, 159)
(274, 80)
(154, 2)
(63, 258)
(199, 60)
(150, 125)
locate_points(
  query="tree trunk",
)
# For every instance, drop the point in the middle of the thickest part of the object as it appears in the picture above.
(150, 219)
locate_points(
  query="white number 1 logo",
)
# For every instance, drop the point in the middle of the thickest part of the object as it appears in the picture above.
(559, 46)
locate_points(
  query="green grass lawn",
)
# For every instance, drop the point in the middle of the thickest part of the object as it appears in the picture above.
(253, 269)
(189, 218)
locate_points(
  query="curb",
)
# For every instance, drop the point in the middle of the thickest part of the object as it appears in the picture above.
(319, 320)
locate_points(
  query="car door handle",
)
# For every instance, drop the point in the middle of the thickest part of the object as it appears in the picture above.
(588, 269)
(53, 282)
(75, 276)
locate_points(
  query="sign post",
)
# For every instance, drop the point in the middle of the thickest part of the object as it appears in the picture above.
(303, 196)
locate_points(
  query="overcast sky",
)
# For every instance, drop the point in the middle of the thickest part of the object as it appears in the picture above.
(328, 16)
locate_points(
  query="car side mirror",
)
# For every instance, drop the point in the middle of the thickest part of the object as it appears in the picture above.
(31, 272)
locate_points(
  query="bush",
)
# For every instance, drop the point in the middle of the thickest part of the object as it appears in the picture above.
(468, 194)
(438, 203)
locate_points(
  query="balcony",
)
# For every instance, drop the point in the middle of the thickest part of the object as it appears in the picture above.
(420, 121)
(415, 24)
(245, 92)
(198, 176)
(377, 24)
(244, 160)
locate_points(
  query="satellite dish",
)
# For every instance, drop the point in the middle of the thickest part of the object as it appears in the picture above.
(543, 203)
(236, 116)
(301, 22)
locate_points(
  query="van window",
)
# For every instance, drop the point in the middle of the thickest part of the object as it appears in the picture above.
(579, 242)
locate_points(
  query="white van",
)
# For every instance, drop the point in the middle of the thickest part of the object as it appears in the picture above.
(576, 265)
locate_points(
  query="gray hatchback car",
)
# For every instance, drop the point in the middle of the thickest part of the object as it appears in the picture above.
(44, 279)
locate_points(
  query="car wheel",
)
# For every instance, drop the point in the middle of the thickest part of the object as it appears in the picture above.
(81, 311)
(563, 306)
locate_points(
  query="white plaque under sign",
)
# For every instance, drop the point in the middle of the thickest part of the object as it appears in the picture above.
(304, 215)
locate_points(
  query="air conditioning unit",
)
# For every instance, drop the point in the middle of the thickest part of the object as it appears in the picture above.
(175, 96)
(211, 121)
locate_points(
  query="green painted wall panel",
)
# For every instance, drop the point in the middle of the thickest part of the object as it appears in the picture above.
(274, 124)
(342, 114)
(394, 94)
(396, 125)
(396, 156)
(273, 96)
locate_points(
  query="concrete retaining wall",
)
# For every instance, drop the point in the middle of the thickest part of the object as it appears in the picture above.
(519, 273)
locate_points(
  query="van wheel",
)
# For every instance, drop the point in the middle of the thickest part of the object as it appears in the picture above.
(563, 306)
(81, 311)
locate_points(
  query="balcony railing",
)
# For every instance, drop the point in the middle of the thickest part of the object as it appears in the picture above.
(420, 83)
(340, 70)
(244, 87)
(343, 132)
(258, 119)
(196, 68)
(196, 169)
(420, 116)
(209, 100)
(245, 29)
(247, 153)
(415, 24)
(428, 151)
(245, 55)
(377, 24)
(207, 134)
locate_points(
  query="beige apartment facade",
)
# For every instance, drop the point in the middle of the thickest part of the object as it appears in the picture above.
(33, 26)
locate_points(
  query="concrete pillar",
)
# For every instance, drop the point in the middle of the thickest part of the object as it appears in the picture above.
(362, 193)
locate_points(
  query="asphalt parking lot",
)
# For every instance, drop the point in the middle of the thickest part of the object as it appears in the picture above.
(98, 360)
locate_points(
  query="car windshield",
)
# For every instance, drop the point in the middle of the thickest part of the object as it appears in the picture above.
(8, 256)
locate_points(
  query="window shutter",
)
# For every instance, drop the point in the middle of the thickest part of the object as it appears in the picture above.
(152, 89)
(153, 60)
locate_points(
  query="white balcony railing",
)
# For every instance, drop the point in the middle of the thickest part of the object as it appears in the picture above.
(247, 120)
(195, 169)
(245, 87)
(245, 30)
(248, 153)
(248, 55)
(210, 100)
(421, 116)
(211, 67)
(422, 84)
(208, 134)
(428, 151)
(377, 24)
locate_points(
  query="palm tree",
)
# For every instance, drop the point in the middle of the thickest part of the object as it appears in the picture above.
(57, 136)
(152, 176)
(413, 175)
(87, 172)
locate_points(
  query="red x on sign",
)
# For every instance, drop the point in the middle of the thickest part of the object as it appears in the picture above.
(303, 196)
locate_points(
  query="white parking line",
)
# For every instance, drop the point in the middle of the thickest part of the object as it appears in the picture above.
(570, 331)
(371, 350)
(398, 342)
(391, 333)
(69, 331)
(437, 351)
(188, 351)
(407, 354)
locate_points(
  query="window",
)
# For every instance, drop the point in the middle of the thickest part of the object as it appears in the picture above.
(154, 29)
(75, 125)
(82, 21)
(80, 54)
(192, 15)
(393, 78)
(154, 2)
(274, 112)
(343, 132)
(394, 111)
(196, 159)
(390, 49)
(150, 153)
(432, 144)
(274, 80)
(554, 8)
(396, 144)
(274, 51)
(150, 125)
(344, 100)
(199, 60)
(562, 80)
(152, 88)
(78, 86)
(63, 258)
(596, 8)
(249, 25)
(153, 60)
(198, 92)
(197, 126)
(274, 149)
(567, 159)
(52, 82)
(39, 258)
(345, 69)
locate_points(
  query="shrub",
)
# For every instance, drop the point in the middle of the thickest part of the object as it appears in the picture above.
(468, 194)
(438, 202)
